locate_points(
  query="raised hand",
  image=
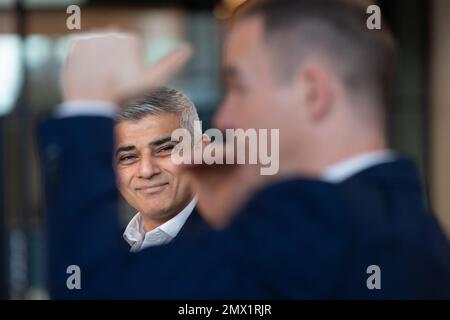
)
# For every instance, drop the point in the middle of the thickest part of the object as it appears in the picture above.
(109, 66)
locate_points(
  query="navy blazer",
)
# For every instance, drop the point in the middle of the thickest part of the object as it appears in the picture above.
(295, 239)
(194, 225)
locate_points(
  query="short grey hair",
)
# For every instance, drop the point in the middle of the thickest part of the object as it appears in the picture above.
(158, 101)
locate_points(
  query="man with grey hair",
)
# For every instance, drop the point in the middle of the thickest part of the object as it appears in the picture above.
(145, 175)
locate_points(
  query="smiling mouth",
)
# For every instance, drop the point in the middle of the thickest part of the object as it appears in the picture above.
(152, 189)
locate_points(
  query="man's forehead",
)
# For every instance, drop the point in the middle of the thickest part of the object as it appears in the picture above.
(246, 36)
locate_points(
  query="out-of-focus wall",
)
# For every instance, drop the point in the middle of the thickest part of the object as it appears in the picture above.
(440, 110)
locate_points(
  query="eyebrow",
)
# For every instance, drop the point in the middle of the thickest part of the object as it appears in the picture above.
(154, 143)
(160, 141)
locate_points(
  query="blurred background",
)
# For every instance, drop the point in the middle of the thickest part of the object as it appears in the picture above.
(33, 43)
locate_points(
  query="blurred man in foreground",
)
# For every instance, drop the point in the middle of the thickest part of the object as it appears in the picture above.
(341, 204)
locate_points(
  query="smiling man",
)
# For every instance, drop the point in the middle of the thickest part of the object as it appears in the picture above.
(145, 174)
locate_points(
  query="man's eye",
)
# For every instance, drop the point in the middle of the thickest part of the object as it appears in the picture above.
(127, 159)
(165, 149)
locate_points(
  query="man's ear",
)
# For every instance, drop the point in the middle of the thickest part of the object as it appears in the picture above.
(316, 90)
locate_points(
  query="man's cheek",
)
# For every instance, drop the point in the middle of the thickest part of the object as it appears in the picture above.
(120, 183)
(124, 176)
(168, 166)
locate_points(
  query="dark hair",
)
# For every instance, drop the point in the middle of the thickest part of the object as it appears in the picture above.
(336, 30)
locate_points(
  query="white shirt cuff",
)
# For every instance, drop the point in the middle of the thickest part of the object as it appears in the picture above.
(91, 108)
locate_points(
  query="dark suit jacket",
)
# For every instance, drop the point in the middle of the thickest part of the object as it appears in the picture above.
(296, 239)
(194, 225)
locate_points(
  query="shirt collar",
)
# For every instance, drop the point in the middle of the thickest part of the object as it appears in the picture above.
(135, 236)
(347, 168)
(173, 226)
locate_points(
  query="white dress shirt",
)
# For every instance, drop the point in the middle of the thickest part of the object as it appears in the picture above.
(138, 239)
(347, 168)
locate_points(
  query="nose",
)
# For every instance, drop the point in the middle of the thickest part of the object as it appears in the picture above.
(224, 117)
(148, 168)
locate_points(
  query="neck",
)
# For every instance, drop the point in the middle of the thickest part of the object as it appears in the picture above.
(152, 223)
(326, 152)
